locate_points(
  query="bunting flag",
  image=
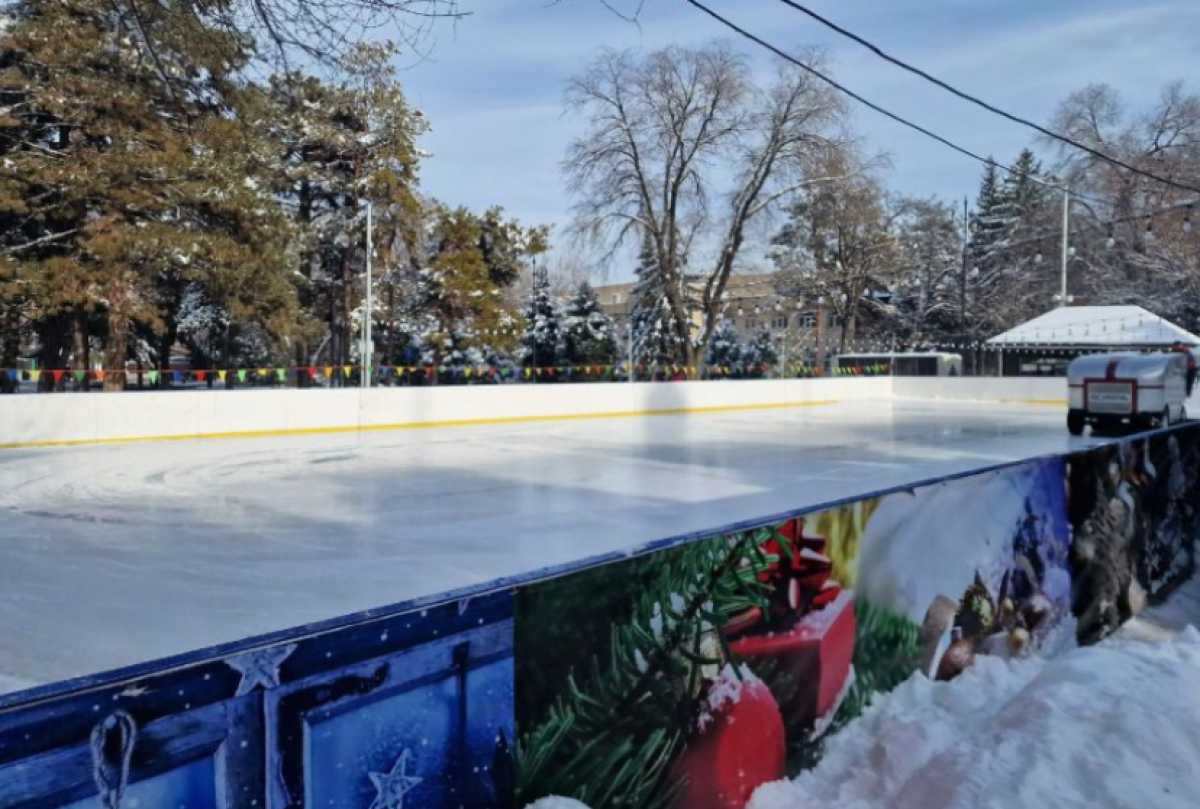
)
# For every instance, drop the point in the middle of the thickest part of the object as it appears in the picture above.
(241, 374)
(98, 374)
(58, 375)
(201, 376)
(13, 375)
(178, 377)
(528, 373)
(329, 372)
(467, 372)
(281, 374)
(346, 369)
(264, 372)
(221, 375)
(34, 376)
(152, 376)
(429, 372)
(312, 372)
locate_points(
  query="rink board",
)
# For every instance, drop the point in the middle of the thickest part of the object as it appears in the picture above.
(423, 703)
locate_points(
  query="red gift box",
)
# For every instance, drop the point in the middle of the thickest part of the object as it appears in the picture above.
(816, 653)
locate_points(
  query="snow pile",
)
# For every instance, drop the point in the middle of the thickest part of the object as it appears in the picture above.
(555, 802)
(1111, 725)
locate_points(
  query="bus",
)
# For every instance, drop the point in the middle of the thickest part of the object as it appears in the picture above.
(903, 364)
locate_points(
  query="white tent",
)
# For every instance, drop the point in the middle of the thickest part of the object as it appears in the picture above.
(1095, 327)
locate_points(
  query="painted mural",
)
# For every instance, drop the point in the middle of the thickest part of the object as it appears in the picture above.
(389, 711)
(689, 677)
(1133, 508)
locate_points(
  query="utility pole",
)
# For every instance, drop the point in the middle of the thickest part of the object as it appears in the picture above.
(365, 376)
(1066, 233)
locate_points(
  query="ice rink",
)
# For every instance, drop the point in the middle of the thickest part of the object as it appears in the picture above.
(115, 555)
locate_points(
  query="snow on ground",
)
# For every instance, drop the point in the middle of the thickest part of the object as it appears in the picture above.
(1110, 725)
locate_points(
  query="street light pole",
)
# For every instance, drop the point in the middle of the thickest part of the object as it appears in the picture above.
(367, 345)
(1066, 232)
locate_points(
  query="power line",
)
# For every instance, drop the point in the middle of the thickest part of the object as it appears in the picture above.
(867, 103)
(887, 113)
(981, 103)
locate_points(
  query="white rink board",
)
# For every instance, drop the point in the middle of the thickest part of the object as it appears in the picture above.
(81, 417)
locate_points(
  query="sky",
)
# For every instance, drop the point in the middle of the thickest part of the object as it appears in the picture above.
(492, 86)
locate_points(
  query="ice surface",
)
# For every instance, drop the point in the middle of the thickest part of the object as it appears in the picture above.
(110, 556)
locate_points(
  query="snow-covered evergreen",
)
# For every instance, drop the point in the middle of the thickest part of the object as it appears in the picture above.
(725, 349)
(542, 342)
(656, 333)
(761, 354)
(588, 335)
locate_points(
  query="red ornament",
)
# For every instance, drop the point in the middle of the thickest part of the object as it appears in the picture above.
(740, 749)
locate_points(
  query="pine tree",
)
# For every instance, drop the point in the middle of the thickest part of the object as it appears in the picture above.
(725, 349)
(541, 345)
(588, 337)
(341, 144)
(125, 180)
(655, 332)
(761, 356)
(445, 306)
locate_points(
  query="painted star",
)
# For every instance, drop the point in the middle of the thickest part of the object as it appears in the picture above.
(260, 667)
(391, 787)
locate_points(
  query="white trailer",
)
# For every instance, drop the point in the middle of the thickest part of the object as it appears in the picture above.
(1139, 390)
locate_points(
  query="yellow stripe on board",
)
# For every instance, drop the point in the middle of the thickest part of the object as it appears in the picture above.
(422, 425)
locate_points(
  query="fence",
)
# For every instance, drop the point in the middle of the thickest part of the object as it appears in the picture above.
(328, 376)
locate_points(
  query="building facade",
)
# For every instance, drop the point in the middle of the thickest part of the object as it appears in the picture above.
(805, 331)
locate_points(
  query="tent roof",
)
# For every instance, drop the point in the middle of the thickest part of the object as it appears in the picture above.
(1107, 326)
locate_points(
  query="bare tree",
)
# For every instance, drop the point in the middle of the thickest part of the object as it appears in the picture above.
(1154, 262)
(681, 144)
(838, 244)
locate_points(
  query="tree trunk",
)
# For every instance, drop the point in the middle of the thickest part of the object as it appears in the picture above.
(80, 350)
(115, 352)
(52, 335)
(10, 348)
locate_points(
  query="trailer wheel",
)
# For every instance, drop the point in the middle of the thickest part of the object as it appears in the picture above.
(1075, 422)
